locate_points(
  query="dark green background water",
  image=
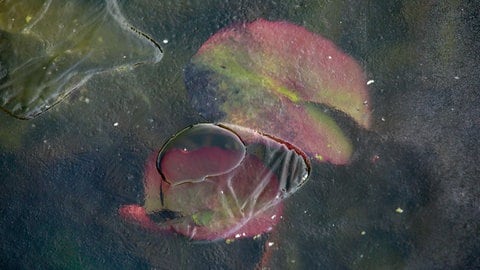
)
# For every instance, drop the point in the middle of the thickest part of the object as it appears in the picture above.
(64, 174)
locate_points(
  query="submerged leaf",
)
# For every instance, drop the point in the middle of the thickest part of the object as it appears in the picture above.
(220, 181)
(270, 75)
(49, 48)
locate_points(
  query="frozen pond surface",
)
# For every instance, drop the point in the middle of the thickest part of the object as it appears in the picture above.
(408, 197)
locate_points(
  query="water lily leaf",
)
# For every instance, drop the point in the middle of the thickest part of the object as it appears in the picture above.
(49, 48)
(267, 75)
(220, 182)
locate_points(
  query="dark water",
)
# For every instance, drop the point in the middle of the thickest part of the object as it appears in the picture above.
(409, 198)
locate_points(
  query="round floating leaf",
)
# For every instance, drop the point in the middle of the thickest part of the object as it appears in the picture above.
(219, 181)
(272, 77)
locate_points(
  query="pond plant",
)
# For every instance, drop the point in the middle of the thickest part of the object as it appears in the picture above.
(268, 86)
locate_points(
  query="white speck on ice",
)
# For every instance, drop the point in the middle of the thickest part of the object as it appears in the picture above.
(399, 210)
(165, 41)
(270, 244)
(274, 216)
(370, 82)
(329, 57)
(115, 124)
(237, 235)
(456, 78)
